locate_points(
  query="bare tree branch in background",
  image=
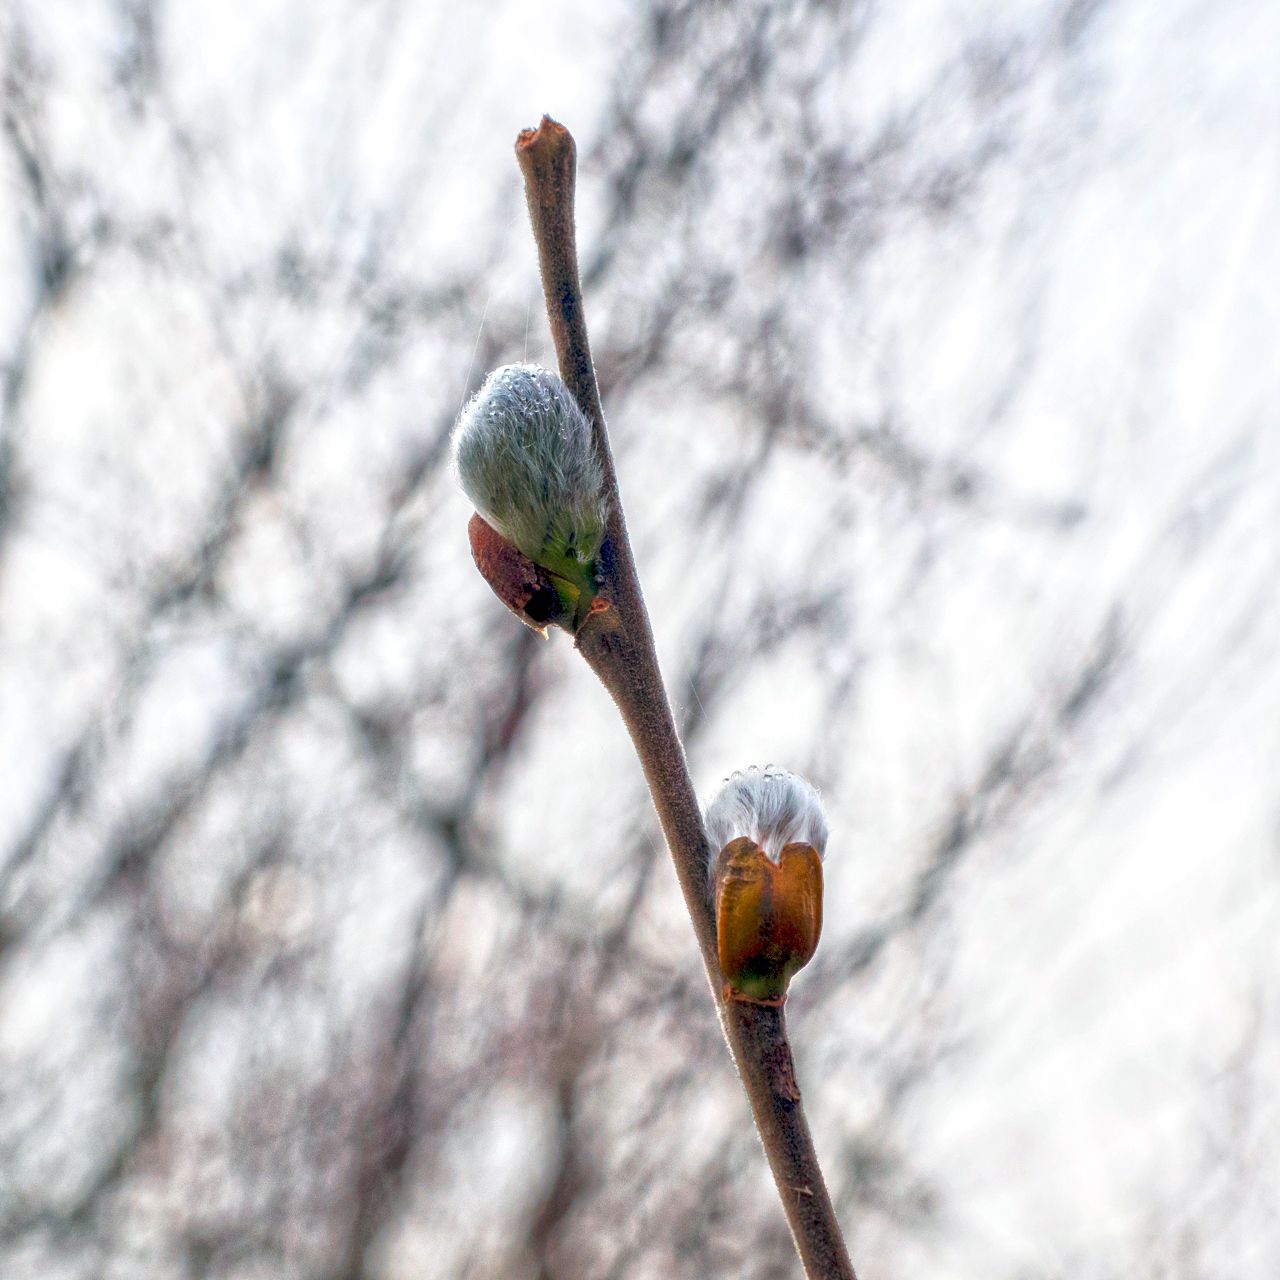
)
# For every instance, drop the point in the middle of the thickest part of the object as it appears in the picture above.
(293, 984)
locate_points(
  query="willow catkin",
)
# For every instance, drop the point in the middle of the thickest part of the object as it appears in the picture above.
(769, 806)
(522, 452)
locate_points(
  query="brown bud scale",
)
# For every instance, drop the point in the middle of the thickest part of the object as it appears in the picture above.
(524, 587)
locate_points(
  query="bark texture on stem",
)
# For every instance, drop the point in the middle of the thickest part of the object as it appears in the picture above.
(617, 643)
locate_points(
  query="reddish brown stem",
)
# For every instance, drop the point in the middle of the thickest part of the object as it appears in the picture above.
(618, 645)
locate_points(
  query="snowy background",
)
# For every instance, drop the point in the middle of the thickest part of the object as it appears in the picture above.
(940, 344)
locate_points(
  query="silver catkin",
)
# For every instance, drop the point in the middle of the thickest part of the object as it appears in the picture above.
(523, 454)
(770, 806)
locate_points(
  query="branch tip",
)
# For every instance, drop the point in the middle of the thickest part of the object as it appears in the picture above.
(549, 133)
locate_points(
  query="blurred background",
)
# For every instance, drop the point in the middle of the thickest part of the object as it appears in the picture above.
(941, 350)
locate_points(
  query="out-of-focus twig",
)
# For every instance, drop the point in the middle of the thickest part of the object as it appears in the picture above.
(617, 643)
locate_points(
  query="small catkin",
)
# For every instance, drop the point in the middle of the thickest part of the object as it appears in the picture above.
(523, 454)
(770, 806)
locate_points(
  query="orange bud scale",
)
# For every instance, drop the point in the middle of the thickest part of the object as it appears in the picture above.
(768, 916)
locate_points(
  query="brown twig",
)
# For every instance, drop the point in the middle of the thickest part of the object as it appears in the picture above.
(618, 645)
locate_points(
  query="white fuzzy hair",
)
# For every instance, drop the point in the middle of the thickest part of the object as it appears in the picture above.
(770, 806)
(523, 454)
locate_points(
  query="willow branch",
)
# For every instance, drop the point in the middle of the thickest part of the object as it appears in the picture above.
(617, 643)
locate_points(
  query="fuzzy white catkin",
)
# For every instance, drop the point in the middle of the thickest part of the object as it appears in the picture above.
(523, 454)
(770, 806)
